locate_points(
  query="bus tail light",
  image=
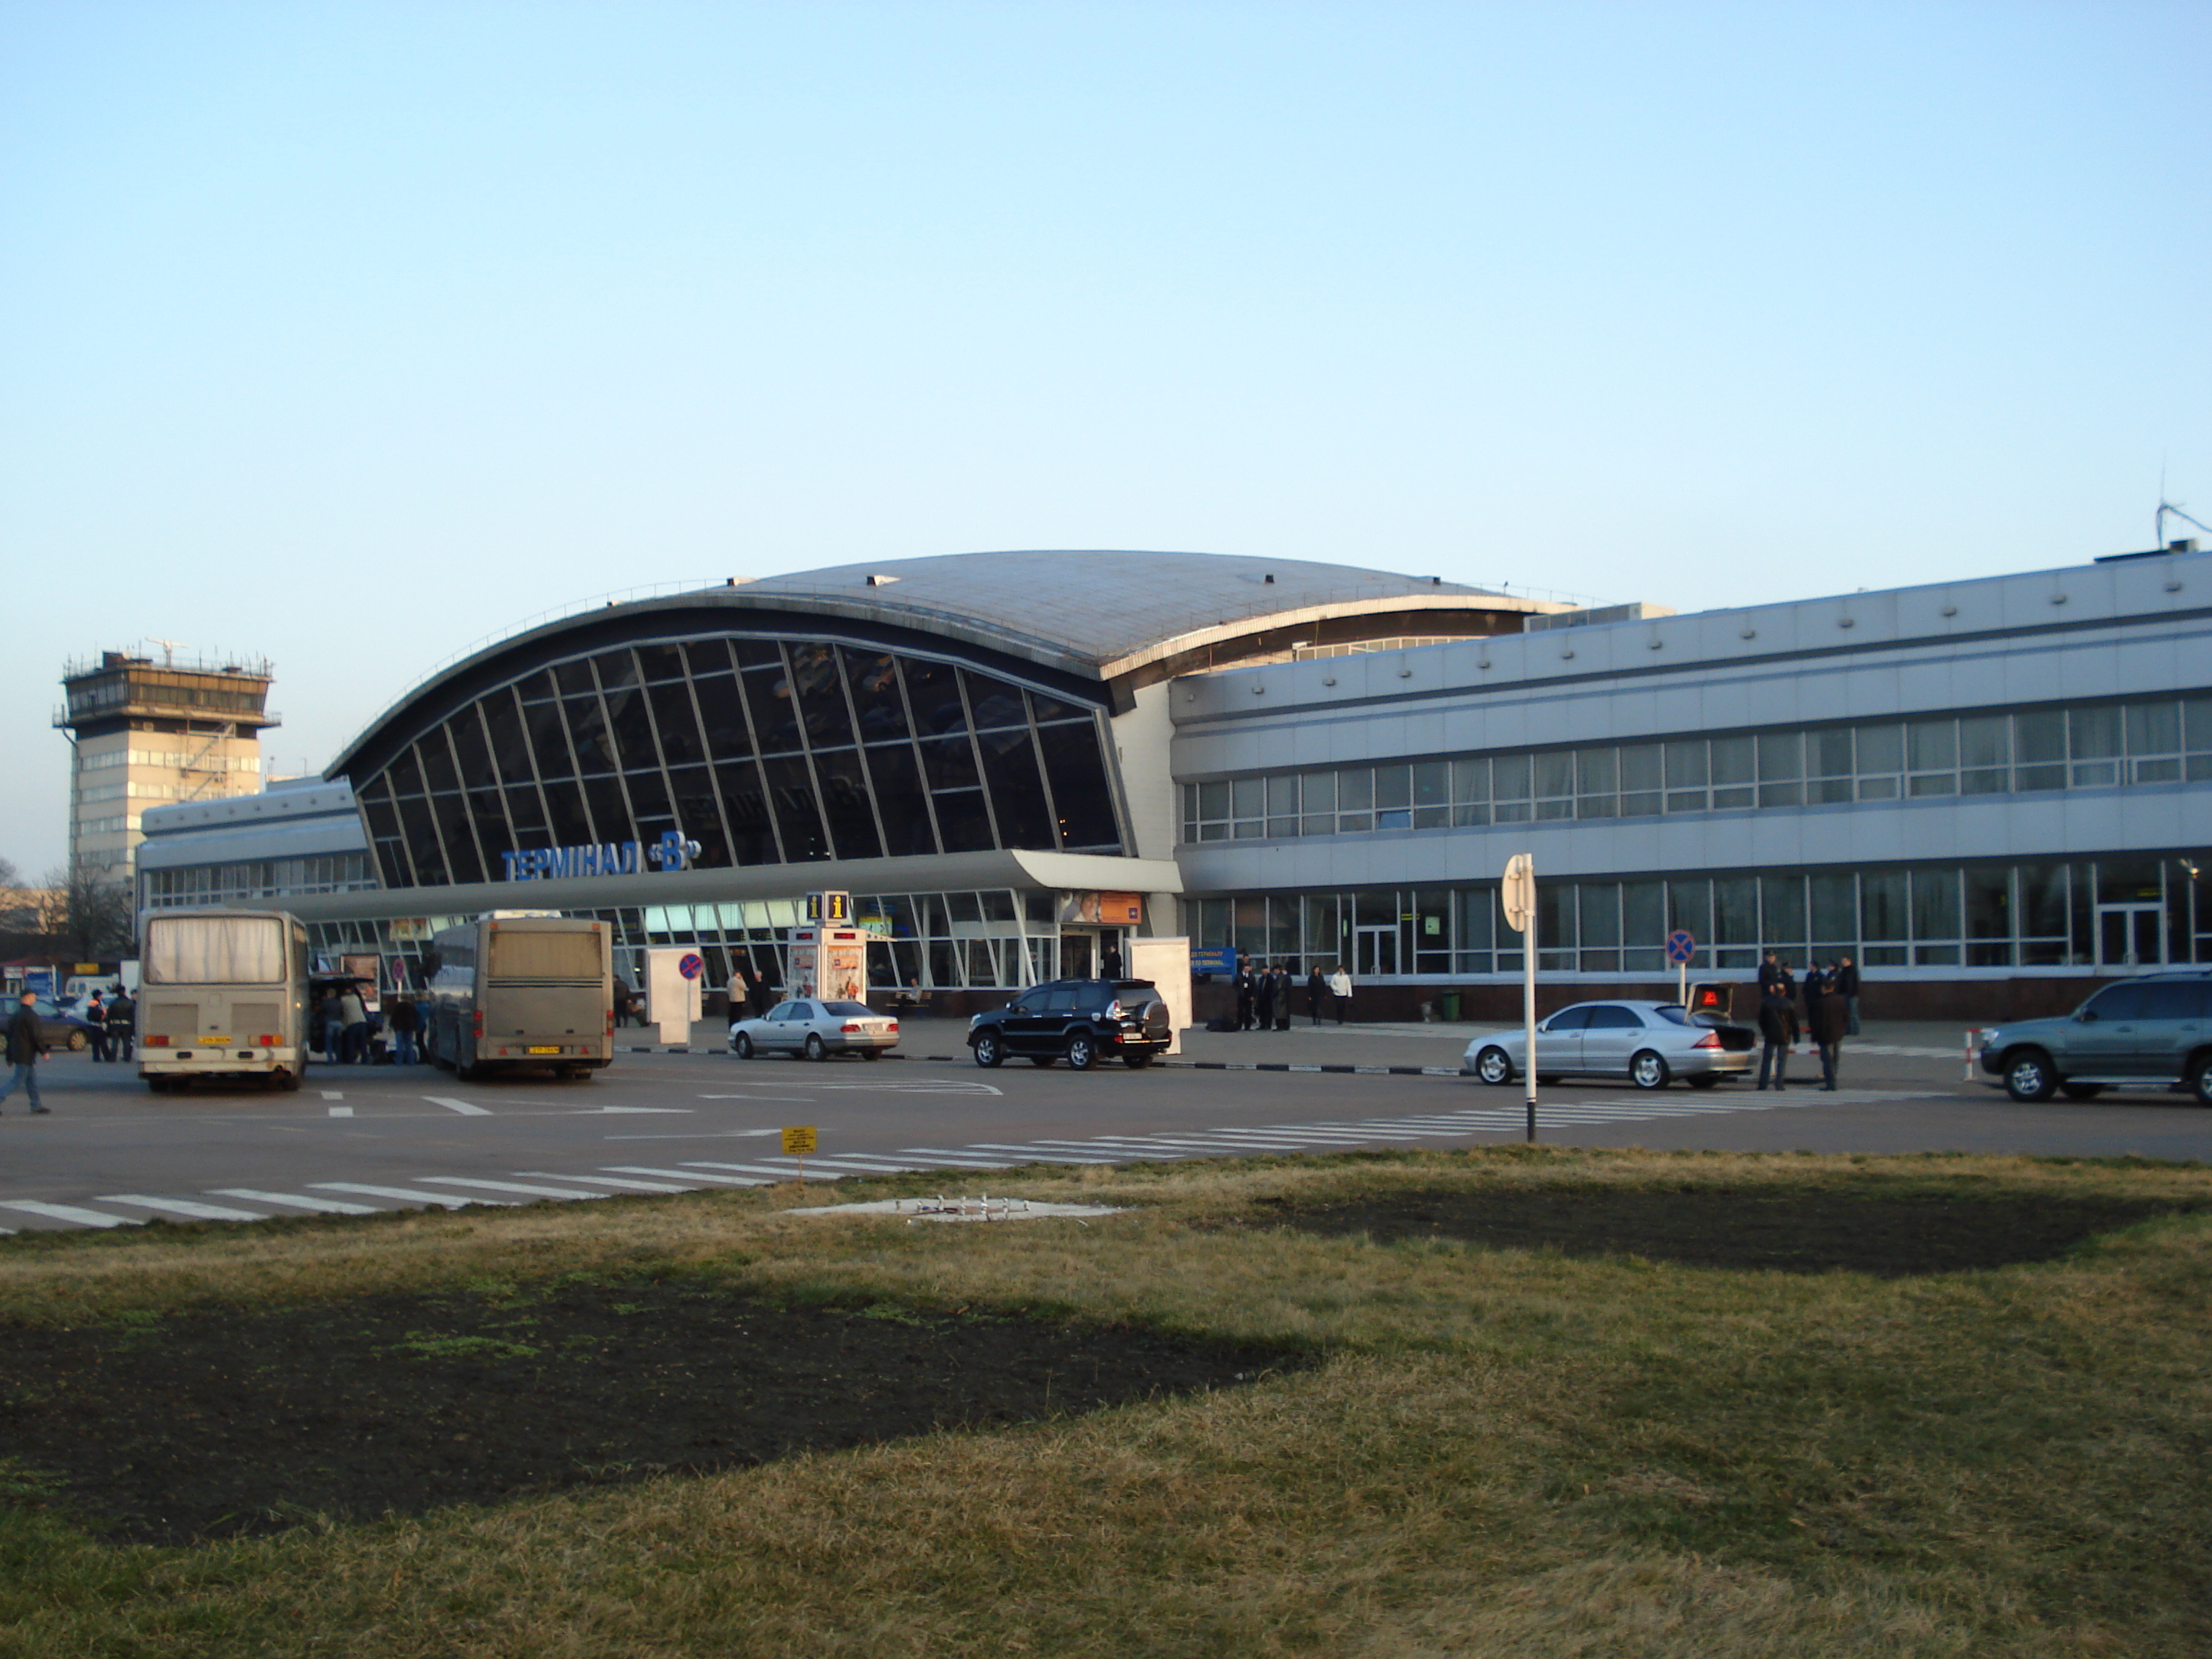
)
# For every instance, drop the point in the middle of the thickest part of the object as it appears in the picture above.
(266, 1041)
(476, 1023)
(155, 1040)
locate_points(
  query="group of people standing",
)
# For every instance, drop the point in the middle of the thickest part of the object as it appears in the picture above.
(1263, 994)
(114, 1022)
(1831, 1013)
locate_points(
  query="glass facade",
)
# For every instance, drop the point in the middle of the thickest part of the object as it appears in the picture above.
(762, 750)
(253, 879)
(2111, 914)
(2162, 740)
(996, 937)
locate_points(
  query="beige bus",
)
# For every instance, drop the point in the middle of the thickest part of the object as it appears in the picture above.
(222, 994)
(513, 992)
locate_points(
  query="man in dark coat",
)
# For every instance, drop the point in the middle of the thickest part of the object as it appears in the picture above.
(1831, 1023)
(26, 1041)
(1316, 988)
(95, 1015)
(1282, 997)
(1847, 986)
(1244, 989)
(122, 1027)
(1775, 1019)
(1263, 997)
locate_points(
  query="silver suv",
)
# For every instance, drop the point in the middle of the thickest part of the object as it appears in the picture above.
(2153, 1031)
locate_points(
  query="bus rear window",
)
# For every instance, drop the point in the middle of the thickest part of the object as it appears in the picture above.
(214, 951)
(536, 955)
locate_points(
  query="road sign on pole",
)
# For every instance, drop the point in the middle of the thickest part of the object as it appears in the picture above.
(1517, 891)
(1681, 949)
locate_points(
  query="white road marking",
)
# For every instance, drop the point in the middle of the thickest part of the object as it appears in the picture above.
(611, 1111)
(70, 1213)
(785, 1100)
(341, 1111)
(1034, 1156)
(404, 1194)
(774, 1172)
(859, 1163)
(616, 1180)
(327, 1206)
(465, 1108)
(505, 1187)
(940, 1158)
(695, 1175)
(184, 1207)
(333, 1094)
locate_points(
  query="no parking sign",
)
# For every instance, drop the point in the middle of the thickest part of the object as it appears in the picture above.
(692, 965)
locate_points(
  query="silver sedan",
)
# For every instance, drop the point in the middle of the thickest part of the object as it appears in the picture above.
(815, 1029)
(1649, 1044)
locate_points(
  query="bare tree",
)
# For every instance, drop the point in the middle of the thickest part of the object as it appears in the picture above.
(84, 916)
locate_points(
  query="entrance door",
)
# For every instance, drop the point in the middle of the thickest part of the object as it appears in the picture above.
(2130, 936)
(1078, 954)
(1375, 950)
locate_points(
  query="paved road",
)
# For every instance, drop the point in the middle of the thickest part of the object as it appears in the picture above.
(362, 1139)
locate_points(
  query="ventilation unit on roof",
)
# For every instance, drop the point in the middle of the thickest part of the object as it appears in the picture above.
(878, 580)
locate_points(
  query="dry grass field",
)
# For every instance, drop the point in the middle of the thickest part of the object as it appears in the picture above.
(1534, 1401)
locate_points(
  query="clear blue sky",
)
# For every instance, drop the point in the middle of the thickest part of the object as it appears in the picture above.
(350, 334)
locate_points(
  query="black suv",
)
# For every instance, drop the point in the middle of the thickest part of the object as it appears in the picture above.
(1079, 1020)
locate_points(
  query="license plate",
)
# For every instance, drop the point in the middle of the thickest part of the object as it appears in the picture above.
(543, 1048)
(213, 1041)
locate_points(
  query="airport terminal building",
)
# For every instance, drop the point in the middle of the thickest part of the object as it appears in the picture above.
(1988, 791)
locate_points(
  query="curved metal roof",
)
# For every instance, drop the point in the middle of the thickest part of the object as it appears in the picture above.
(1105, 612)
(1091, 615)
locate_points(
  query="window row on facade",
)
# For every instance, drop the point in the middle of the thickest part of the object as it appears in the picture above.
(256, 880)
(94, 760)
(761, 752)
(995, 938)
(2147, 741)
(2111, 914)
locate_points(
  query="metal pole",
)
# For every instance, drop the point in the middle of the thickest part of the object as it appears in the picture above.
(1529, 1006)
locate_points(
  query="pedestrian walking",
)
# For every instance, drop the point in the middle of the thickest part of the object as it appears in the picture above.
(1830, 1024)
(1774, 1022)
(122, 1027)
(1340, 988)
(1316, 988)
(26, 1042)
(402, 1031)
(1847, 986)
(95, 1015)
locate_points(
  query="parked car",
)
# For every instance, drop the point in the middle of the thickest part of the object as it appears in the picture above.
(816, 1030)
(1649, 1044)
(1081, 1021)
(2153, 1031)
(61, 1028)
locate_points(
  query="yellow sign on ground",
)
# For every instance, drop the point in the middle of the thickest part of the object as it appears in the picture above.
(798, 1142)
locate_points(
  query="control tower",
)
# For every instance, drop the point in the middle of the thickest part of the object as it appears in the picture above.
(147, 731)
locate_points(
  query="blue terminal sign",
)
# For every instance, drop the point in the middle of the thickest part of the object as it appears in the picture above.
(613, 857)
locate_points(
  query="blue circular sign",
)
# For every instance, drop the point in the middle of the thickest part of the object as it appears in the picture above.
(1681, 947)
(691, 966)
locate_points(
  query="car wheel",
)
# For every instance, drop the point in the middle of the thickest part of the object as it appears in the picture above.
(1648, 1070)
(2082, 1090)
(742, 1046)
(2200, 1079)
(1082, 1052)
(1493, 1067)
(814, 1049)
(989, 1051)
(1136, 1063)
(1042, 1060)
(2028, 1076)
(77, 1041)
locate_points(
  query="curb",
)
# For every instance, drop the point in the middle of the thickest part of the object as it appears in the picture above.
(1185, 1065)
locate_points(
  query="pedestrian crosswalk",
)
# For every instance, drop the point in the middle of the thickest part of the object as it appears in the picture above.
(1498, 1113)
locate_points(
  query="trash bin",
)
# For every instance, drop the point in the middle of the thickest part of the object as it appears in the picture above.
(1451, 1004)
